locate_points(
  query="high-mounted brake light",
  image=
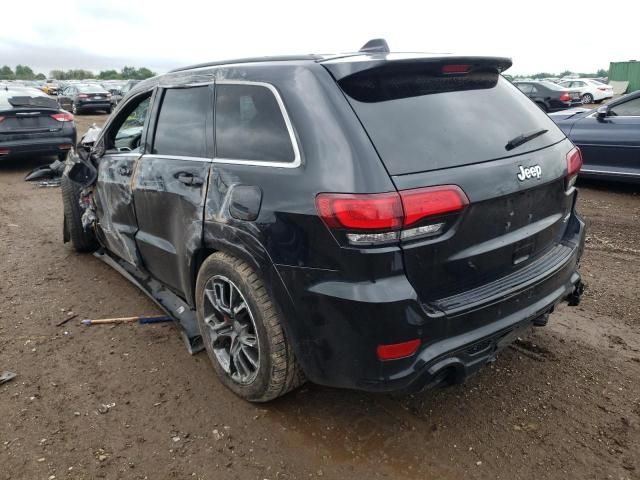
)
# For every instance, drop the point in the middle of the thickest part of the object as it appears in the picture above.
(370, 219)
(62, 117)
(396, 351)
(574, 164)
(564, 97)
(456, 68)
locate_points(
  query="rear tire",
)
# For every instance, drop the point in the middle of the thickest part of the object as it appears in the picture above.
(249, 320)
(587, 98)
(81, 239)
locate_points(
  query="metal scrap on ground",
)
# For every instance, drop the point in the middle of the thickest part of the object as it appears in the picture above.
(142, 320)
(6, 377)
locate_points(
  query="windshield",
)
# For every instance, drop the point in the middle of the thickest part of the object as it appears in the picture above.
(420, 122)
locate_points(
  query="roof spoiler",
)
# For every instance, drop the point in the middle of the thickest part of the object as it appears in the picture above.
(345, 66)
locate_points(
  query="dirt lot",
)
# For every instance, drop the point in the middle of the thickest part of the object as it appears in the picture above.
(129, 402)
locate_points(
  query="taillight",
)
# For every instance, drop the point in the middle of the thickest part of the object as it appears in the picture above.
(62, 117)
(564, 97)
(1, 119)
(371, 219)
(4, 151)
(456, 68)
(83, 95)
(604, 89)
(376, 211)
(574, 164)
(419, 203)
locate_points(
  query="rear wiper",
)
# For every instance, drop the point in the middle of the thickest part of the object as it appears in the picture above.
(524, 138)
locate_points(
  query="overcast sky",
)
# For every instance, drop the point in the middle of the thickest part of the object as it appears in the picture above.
(541, 35)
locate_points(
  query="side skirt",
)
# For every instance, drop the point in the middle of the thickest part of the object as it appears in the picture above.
(168, 301)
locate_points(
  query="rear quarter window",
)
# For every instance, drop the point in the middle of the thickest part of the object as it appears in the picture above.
(420, 122)
(250, 125)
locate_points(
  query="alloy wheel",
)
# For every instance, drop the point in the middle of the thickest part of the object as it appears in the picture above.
(232, 333)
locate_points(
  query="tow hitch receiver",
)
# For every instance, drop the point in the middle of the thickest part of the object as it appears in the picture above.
(574, 297)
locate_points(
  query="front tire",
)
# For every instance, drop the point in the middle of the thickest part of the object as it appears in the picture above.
(242, 332)
(587, 98)
(81, 239)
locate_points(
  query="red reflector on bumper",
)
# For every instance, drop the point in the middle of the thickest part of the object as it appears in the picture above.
(395, 351)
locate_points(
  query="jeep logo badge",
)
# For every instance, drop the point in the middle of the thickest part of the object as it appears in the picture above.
(529, 172)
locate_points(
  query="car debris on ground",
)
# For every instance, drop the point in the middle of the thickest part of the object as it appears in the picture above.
(140, 320)
(6, 377)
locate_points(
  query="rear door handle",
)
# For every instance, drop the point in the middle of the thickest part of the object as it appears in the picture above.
(124, 171)
(189, 179)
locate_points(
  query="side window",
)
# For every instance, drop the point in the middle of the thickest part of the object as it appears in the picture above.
(129, 125)
(182, 123)
(534, 90)
(627, 109)
(250, 125)
(524, 88)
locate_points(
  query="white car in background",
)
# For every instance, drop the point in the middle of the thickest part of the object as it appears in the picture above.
(590, 90)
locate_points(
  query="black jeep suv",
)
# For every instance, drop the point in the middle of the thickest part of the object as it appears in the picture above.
(376, 221)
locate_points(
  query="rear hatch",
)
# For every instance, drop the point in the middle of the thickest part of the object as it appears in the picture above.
(95, 96)
(456, 121)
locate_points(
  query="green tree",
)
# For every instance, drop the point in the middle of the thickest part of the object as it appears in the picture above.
(109, 75)
(566, 73)
(24, 72)
(143, 73)
(40, 76)
(57, 74)
(128, 72)
(6, 73)
(602, 73)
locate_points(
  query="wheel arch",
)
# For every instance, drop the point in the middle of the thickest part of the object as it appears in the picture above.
(254, 254)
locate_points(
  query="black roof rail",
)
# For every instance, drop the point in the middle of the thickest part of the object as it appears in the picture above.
(376, 45)
(283, 58)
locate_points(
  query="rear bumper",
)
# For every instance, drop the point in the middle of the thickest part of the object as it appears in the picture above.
(102, 105)
(338, 325)
(39, 146)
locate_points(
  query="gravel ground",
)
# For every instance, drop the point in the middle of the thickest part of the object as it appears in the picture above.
(129, 402)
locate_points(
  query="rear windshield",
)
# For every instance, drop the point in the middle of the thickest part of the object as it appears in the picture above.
(91, 89)
(551, 85)
(420, 122)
